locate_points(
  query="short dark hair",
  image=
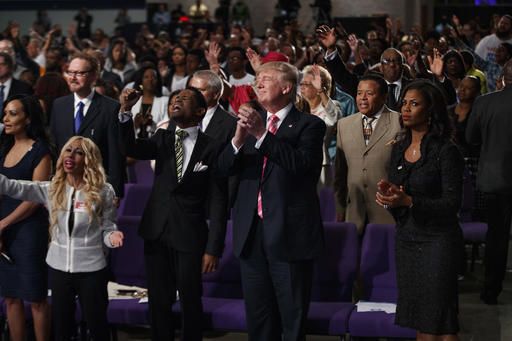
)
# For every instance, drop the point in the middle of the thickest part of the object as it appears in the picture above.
(383, 86)
(239, 49)
(7, 59)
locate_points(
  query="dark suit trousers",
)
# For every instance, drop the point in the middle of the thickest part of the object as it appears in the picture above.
(167, 270)
(499, 214)
(91, 288)
(276, 293)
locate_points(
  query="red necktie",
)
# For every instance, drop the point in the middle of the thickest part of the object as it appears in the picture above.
(272, 128)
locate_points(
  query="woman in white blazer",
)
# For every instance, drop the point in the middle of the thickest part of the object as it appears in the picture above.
(151, 108)
(82, 225)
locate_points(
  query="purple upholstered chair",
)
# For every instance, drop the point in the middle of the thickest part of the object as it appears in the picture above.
(334, 275)
(127, 264)
(474, 232)
(141, 173)
(327, 204)
(134, 201)
(223, 304)
(378, 274)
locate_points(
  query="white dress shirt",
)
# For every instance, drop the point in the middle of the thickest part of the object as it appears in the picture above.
(208, 117)
(282, 115)
(7, 87)
(376, 118)
(86, 101)
(188, 144)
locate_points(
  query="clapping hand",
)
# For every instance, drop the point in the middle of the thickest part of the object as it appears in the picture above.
(390, 195)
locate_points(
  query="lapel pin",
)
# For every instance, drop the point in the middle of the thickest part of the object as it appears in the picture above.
(291, 125)
(399, 167)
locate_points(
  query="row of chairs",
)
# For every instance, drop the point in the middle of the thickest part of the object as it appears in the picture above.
(331, 312)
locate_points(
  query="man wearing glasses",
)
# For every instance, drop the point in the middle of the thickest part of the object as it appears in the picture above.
(87, 113)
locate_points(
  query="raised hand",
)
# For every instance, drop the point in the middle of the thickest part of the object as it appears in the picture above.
(128, 98)
(254, 58)
(317, 79)
(353, 43)
(212, 53)
(326, 37)
(436, 63)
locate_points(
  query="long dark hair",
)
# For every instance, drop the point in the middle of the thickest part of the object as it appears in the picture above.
(440, 125)
(35, 130)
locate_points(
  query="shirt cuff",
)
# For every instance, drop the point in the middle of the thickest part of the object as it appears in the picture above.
(125, 116)
(330, 55)
(235, 149)
(260, 140)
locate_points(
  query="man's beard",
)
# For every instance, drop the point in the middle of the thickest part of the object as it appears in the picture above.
(502, 35)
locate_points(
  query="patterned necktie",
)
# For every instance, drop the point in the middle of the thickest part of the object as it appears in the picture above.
(178, 149)
(272, 128)
(79, 117)
(367, 128)
(2, 87)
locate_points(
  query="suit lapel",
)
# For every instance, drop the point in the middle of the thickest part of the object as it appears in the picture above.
(92, 112)
(197, 152)
(169, 141)
(67, 118)
(356, 130)
(380, 129)
(286, 129)
(215, 124)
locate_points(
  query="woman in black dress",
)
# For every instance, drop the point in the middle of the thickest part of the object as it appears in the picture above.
(24, 155)
(424, 194)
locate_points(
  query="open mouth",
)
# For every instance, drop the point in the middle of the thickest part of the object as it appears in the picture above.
(69, 163)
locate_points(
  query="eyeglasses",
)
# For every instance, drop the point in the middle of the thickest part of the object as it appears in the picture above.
(387, 61)
(79, 74)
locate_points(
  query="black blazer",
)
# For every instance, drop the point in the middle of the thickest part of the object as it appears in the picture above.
(101, 125)
(176, 212)
(490, 125)
(292, 222)
(222, 126)
(19, 88)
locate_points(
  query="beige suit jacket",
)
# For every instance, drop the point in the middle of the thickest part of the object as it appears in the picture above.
(359, 167)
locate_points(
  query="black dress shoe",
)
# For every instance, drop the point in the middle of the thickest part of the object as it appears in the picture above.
(489, 299)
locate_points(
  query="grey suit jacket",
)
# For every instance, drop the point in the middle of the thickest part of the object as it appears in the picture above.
(359, 167)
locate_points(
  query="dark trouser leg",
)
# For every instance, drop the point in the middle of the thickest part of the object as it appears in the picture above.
(160, 269)
(260, 302)
(93, 297)
(188, 273)
(499, 211)
(292, 284)
(63, 304)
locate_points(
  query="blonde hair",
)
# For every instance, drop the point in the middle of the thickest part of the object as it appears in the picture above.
(287, 74)
(94, 180)
(325, 77)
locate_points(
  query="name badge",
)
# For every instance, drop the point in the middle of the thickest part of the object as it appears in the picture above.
(80, 206)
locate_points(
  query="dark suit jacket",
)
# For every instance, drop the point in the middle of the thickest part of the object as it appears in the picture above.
(19, 88)
(175, 211)
(222, 128)
(490, 125)
(101, 125)
(291, 211)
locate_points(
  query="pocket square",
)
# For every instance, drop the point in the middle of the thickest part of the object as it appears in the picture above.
(199, 167)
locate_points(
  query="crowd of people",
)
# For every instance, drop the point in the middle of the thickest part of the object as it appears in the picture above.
(252, 127)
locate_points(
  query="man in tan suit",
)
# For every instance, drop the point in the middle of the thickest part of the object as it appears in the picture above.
(363, 148)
